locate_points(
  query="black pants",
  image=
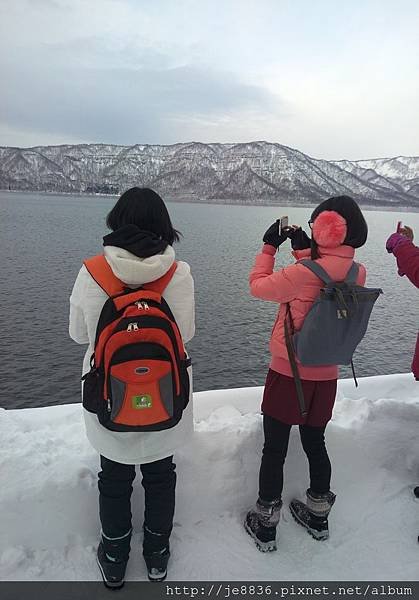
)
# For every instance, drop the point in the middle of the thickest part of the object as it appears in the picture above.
(271, 475)
(115, 488)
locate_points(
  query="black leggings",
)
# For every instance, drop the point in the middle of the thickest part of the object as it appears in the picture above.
(115, 488)
(271, 475)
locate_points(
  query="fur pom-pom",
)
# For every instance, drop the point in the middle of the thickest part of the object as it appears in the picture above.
(329, 229)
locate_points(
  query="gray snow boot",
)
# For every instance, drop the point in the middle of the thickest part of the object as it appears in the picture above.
(112, 558)
(313, 514)
(261, 522)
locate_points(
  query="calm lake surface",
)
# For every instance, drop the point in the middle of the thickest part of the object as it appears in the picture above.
(45, 238)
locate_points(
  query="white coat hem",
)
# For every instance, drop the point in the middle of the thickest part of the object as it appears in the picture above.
(140, 459)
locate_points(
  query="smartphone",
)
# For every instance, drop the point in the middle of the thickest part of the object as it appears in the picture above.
(283, 224)
(399, 226)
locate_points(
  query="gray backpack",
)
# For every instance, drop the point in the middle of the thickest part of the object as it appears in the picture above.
(334, 325)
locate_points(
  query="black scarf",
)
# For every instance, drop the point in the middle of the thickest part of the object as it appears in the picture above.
(135, 240)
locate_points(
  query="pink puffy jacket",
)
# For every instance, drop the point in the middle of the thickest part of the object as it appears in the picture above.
(300, 287)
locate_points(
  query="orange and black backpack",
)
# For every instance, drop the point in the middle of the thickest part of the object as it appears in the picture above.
(138, 379)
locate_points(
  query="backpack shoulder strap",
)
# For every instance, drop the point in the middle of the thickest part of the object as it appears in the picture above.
(100, 270)
(102, 273)
(316, 269)
(352, 275)
(159, 285)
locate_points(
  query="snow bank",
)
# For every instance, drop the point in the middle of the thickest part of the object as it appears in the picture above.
(49, 497)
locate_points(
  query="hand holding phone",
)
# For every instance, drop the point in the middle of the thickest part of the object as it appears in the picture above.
(276, 234)
(299, 238)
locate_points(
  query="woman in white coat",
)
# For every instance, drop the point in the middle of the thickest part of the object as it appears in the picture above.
(139, 250)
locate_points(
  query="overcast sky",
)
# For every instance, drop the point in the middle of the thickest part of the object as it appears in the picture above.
(335, 79)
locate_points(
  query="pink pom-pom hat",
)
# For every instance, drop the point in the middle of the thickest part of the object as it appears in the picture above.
(329, 229)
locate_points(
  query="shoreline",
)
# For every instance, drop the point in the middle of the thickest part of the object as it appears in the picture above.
(369, 382)
(222, 201)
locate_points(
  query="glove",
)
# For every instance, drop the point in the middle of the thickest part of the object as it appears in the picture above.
(273, 237)
(299, 239)
(394, 240)
(407, 232)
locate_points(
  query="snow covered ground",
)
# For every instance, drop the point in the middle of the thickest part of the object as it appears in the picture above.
(48, 493)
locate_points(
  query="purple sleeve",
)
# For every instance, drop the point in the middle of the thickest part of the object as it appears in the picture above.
(415, 362)
(407, 255)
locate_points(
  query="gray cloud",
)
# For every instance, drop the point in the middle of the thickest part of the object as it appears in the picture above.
(318, 78)
(62, 90)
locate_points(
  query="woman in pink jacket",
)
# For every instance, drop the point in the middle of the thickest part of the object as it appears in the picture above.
(338, 227)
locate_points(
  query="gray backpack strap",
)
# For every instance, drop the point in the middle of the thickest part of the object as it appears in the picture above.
(293, 362)
(352, 275)
(317, 270)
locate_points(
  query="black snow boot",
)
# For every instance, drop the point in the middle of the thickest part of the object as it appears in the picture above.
(261, 522)
(313, 514)
(112, 558)
(156, 552)
(416, 493)
(156, 563)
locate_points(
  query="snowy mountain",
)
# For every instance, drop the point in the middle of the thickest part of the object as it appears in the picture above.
(400, 173)
(253, 172)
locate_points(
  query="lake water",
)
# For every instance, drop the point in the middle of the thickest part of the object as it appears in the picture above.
(45, 238)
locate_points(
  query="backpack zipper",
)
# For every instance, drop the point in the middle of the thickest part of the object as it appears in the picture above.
(142, 305)
(132, 327)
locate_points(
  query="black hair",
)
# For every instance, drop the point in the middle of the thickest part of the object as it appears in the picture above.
(143, 207)
(357, 228)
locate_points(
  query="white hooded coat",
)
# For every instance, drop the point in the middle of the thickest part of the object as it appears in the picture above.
(86, 302)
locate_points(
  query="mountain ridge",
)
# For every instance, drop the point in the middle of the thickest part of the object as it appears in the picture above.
(248, 172)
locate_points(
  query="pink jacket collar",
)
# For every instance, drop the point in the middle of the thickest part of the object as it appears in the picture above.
(340, 251)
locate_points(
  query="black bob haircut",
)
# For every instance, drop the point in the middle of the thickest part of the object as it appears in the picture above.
(143, 207)
(357, 228)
